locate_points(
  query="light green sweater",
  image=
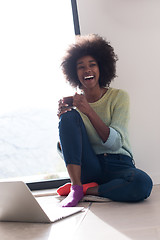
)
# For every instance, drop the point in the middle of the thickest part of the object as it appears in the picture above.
(113, 109)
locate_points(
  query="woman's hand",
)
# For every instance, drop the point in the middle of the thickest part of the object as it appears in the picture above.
(101, 128)
(81, 103)
(62, 107)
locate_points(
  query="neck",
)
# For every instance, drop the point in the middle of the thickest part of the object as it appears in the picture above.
(93, 95)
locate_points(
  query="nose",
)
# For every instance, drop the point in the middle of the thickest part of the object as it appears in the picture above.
(87, 69)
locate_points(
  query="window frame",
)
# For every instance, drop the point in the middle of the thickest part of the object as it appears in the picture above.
(75, 17)
(55, 183)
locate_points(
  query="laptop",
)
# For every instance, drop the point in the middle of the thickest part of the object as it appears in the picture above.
(17, 204)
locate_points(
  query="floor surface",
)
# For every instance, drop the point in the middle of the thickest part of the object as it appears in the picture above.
(100, 221)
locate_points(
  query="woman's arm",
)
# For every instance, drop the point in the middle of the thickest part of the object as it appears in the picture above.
(101, 128)
(113, 135)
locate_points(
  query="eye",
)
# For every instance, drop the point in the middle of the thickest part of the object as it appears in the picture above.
(80, 67)
(93, 64)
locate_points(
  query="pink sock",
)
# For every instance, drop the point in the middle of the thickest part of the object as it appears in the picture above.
(73, 198)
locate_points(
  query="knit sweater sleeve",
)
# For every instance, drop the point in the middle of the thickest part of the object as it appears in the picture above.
(114, 141)
(120, 118)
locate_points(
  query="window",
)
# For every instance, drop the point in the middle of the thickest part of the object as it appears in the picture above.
(34, 36)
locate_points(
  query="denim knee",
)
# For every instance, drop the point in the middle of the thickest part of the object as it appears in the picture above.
(70, 117)
(142, 186)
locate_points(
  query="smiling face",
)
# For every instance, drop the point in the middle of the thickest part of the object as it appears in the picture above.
(88, 72)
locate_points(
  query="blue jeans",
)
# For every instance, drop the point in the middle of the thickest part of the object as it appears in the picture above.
(117, 176)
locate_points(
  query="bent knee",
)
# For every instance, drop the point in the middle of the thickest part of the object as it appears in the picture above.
(142, 186)
(69, 115)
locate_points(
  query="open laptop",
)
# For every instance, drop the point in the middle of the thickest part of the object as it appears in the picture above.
(17, 204)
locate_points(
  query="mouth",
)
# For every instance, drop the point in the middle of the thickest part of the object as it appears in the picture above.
(89, 77)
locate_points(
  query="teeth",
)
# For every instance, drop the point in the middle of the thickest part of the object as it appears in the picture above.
(88, 77)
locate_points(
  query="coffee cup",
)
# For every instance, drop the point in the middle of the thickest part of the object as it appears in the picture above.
(68, 100)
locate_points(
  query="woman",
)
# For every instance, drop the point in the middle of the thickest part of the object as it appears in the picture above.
(94, 136)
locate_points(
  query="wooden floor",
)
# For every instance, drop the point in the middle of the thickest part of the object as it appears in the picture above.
(100, 221)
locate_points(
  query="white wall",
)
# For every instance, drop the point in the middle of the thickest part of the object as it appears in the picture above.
(133, 29)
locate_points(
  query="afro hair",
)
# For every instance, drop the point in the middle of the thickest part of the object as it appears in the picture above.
(97, 47)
